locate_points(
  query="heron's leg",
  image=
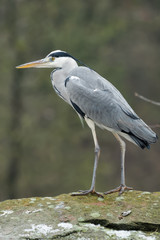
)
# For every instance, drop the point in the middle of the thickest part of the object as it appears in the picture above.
(122, 186)
(97, 154)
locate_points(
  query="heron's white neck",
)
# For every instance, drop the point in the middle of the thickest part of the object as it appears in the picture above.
(58, 76)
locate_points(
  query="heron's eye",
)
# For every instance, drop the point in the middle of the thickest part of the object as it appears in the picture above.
(51, 59)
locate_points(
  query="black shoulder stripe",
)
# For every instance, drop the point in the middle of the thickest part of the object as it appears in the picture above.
(78, 110)
(66, 81)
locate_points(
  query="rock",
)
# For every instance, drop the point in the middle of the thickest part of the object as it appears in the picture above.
(133, 215)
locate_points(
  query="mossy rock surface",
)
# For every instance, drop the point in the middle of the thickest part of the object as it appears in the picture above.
(133, 215)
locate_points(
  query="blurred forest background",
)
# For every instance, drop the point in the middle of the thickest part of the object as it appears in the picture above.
(44, 151)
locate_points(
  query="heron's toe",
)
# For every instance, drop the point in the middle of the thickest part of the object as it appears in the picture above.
(121, 189)
(87, 192)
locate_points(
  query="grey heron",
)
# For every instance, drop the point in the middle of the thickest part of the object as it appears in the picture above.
(99, 103)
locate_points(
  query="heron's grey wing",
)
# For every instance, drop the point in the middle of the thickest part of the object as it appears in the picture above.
(106, 108)
(101, 105)
(92, 80)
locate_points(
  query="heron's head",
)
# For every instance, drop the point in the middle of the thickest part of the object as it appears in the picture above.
(55, 59)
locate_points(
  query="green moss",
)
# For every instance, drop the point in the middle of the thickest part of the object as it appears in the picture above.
(144, 207)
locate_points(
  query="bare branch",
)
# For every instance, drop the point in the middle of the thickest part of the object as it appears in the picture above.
(155, 126)
(146, 99)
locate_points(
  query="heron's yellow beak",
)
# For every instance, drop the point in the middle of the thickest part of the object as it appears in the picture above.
(42, 63)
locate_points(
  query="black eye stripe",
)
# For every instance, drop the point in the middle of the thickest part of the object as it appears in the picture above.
(60, 54)
(65, 54)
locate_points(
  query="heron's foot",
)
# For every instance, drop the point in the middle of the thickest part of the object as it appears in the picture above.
(87, 192)
(121, 189)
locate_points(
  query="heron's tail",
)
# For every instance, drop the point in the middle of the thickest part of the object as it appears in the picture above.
(143, 136)
(141, 142)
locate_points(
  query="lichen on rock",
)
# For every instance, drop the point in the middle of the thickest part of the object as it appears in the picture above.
(134, 215)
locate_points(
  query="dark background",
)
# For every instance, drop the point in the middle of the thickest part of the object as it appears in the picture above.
(44, 151)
